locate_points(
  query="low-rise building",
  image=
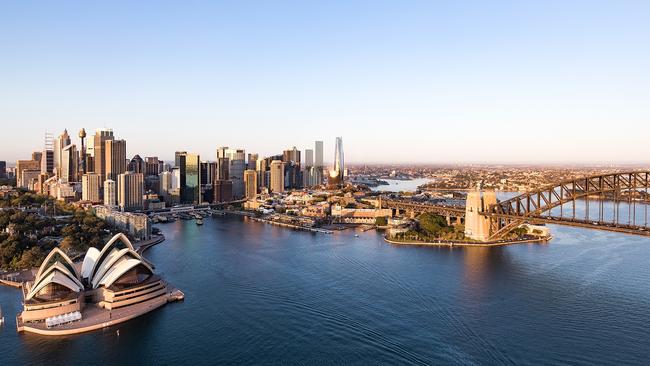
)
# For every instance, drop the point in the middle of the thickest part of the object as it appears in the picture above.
(138, 225)
(358, 215)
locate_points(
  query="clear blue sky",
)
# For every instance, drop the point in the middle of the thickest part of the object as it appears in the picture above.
(401, 81)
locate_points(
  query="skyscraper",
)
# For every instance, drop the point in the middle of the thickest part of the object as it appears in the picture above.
(318, 163)
(292, 172)
(190, 184)
(277, 176)
(110, 192)
(59, 144)
(22, 180)
(130, 190)
(223, 169)
(222, 190)
(250, 181)
(115, 158)
(237, 165)
(337, 173)
(137, 165)
(309, 158)
(90, 187)
(68, 164)
(3, 170)
(252, 161)
(153, 166)
(261, 167)
(165, 185)
(99, 147)
(47, 161)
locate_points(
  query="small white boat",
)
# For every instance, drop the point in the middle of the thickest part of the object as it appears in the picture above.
(2, 318)
(199, 222)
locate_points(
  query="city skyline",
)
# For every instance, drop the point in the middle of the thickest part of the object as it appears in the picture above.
(420, 78)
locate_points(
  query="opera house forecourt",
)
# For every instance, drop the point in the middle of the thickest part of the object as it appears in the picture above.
(109, 287)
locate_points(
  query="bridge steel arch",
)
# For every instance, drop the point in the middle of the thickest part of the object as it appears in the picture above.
(531, 206)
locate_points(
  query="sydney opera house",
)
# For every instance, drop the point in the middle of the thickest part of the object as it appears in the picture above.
(108, 287)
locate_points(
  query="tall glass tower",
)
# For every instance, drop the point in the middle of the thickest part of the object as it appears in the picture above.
(336, 174)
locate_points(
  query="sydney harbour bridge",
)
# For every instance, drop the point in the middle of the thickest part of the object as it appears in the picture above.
(614, 201)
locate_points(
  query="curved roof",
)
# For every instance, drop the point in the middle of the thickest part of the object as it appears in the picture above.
(56, 255)
(89, 262)
(111, 261)
(117, 242)
(120, 269)
(56, 273)
(116, 258)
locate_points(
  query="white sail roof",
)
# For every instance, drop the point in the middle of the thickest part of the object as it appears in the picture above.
(116, 258)
(118, 270)
(117, 243)
(89, 262)
(54, 277)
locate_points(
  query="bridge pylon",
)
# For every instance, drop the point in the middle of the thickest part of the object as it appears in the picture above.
(477, 225)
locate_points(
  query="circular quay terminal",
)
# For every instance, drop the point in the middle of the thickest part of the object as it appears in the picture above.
(438, 182)
(109, 287)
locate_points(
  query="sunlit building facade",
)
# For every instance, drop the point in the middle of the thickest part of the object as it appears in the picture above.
(336, 175)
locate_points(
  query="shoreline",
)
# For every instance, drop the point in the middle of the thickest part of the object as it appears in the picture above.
(468, 244)
(292, 226)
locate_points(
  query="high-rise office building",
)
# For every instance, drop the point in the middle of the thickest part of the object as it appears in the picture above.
(90, 187)
(250, 182)
(309, 158)
(291, 155)
(60, 143)
(252, 161)
(222, 190)
(292, 168)
(68, 164)
(190, 178)
(336, 175)
(130, 188)
(22, 166)
(177, 157)
(115, 158)
(153, 166)
(3, 170)
(223, 169)
(276, 184)
(110, 192)
(137, 165)
(261, 168)
(237, 168)
(165, 185)
(99, 151)
(237, 165)
(318, 162)
(47, 161)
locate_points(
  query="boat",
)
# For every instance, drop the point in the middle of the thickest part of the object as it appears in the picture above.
(199, 221)
(2, 318)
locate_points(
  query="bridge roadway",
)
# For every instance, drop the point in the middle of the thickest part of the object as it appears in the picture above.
(459, 213)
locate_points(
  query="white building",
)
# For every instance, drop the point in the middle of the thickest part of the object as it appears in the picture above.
(110, 191)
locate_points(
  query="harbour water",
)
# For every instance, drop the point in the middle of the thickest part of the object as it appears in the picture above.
(257, 293)
(397, 185)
